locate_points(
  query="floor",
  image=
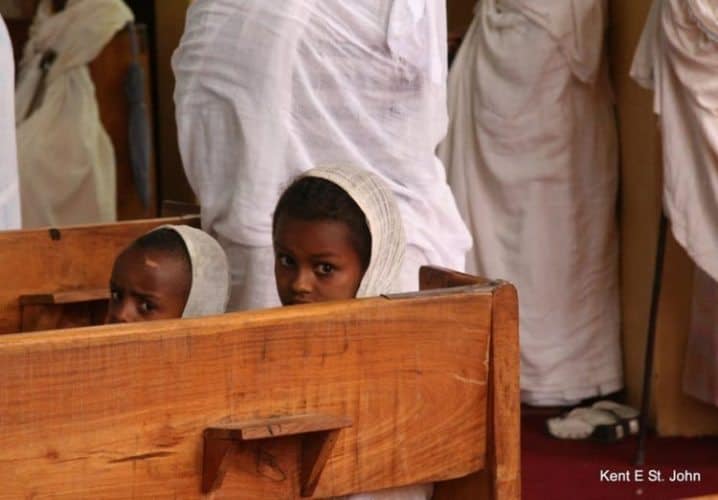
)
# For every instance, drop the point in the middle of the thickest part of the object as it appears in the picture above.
(557, 469)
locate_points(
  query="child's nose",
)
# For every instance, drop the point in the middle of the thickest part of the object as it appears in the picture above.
(123, 312)
(303, 281)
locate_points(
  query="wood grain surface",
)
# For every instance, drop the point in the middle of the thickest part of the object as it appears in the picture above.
(119, 411)
(57, 262)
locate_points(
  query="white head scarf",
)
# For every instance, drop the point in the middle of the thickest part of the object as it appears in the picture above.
(388, 242)
(209, 291)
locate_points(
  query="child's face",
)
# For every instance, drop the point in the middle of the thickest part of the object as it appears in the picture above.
(147, 285)
(315, 261)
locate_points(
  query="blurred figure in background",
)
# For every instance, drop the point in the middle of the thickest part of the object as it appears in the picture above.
(66, 158)
(9, 187)
(532, 158)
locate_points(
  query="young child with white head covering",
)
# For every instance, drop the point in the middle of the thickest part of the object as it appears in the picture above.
(338, 219)
(170, 272)
(338, 234)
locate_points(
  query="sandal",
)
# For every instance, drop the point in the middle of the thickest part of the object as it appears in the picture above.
(587, 423)
(629, 417)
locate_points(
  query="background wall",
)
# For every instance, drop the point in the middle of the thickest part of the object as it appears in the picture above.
(169, 25)
(460, 13)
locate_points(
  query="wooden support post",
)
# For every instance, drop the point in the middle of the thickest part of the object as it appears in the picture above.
(317, 433)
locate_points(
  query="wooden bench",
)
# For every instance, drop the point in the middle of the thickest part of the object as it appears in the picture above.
(58, 278)
(307, 401)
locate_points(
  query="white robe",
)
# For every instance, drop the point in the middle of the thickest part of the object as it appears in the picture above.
(677, 57)
(267, 90)
(66, 158)
(9, 186)
(531, 156)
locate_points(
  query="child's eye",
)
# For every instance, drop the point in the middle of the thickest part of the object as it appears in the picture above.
(115, 296)
(146, 306)
(285, 260)
(324, 269)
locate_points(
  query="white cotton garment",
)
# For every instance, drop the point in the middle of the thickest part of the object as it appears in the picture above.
(66, 159)
(531, 157)
(678, 58)
(267, 90)
(209, 292)
(9, 185)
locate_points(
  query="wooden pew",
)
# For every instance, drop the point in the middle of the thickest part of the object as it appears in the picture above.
(307, 401)
(58, 278)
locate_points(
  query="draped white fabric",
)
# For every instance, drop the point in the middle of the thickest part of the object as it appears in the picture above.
(388, 242)
(678, 58)
(209, 292)
(531, 156)
(66, 159)
(9, 186)
(267, 90)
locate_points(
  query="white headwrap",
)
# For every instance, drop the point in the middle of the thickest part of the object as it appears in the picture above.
(209, 292)
(388, 242)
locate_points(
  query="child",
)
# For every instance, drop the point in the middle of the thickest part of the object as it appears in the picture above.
(337, 235)
(171, 272)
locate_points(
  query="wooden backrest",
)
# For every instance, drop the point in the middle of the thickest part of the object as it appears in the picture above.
(318, 400)
(50, 263)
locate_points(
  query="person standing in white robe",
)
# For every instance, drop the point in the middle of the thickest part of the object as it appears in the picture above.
(677, 57)
(66, 159)
(531, 156)
(9, 186)
(266, 90)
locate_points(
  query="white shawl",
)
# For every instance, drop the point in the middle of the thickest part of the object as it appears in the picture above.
(388, 242)
(66, 159)
(9, 188)
(209, 292)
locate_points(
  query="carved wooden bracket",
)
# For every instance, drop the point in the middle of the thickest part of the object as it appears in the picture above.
(318, 434)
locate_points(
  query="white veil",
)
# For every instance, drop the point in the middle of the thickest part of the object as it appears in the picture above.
(209, 292)
(388, 242)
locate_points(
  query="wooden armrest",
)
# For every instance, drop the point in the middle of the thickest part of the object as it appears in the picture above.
(431, 277)
(318, 435)
(66, 296)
